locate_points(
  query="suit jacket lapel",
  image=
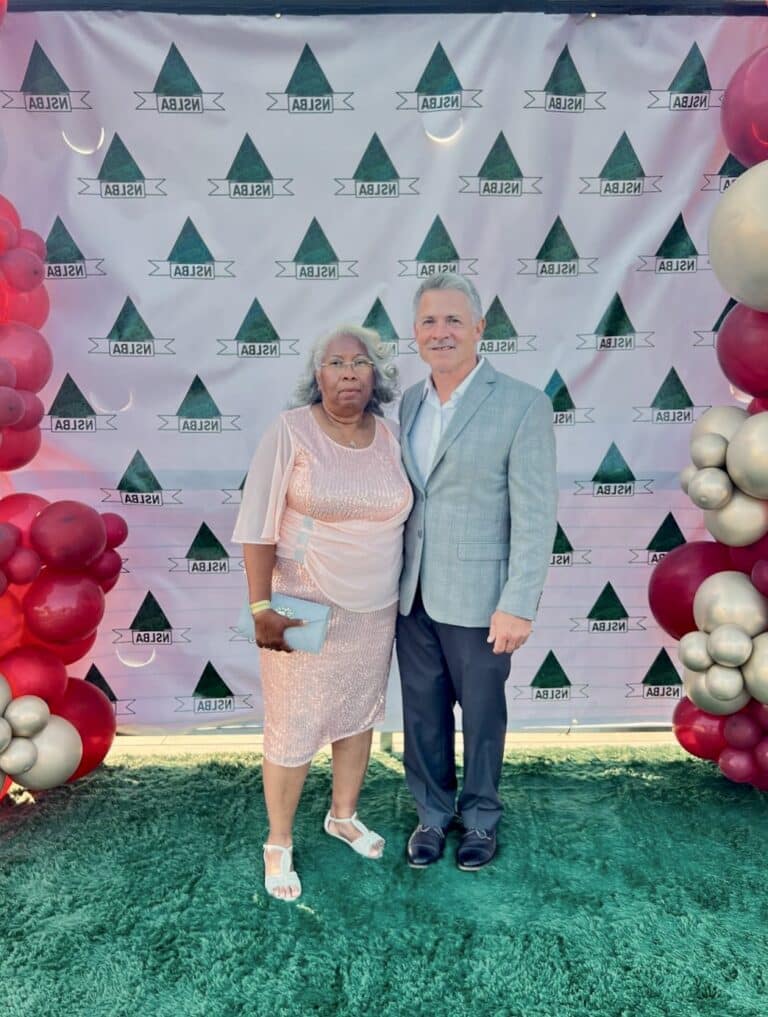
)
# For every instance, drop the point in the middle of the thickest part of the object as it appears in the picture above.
(479, 389)
(410, 409)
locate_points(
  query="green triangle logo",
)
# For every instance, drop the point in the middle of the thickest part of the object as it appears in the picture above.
(622, 163)
(375, 164)
(724, 314)
(69, 401)
(379, 320)
(308, 78)
(557, 245)
(668, 536)
(562, 544)
(731, 167)
(437, 245)
(662, 671)
(60, 247)
(615, 321)
(248, 167)
(211, 685)
(129, 325)
(197, 403)
(138, 478)
(190, 248)
(613, 469)
(550, 675)
(672, 394)
(119, 165)
(175, 77)
(607, 607)
(95, 677)
(500, 164)
(206, 546)
(314, 249)
(565, 79)
(692, 78)
(439, 77)
(558, 392)
(150, 617)
(256, 327)
(41, 77)
(497, 323)
(677, 243)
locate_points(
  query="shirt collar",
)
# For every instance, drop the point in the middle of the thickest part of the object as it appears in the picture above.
(458, 392)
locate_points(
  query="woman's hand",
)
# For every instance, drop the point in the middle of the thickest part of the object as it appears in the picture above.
(270, 628)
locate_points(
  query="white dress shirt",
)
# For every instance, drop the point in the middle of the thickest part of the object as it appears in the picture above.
(432, 419)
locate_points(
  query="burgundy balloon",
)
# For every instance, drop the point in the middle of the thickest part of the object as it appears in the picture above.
(92, 714)
(60, 607)
(760, 752)
(33, 671)
(23, 566)
(742, 731)
(19, 447)
(698, 732)
(20, 509)
(106, 566)
(9, 235)
(30, 308)
(29, 353)
(23, 269)
(34, 411)
(738, 765)
(117, 528)
(744, 559)
(7, 373)
(677, 577)
(759, 577)
(758, 711)
(4, 584)
(32, 241)
(741, 343)
(10, 537)
(757, 406)
(68, 535)
(744, 110)
(8, 211)
(11, 406)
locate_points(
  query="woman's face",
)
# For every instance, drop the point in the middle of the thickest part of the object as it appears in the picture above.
(345, 378)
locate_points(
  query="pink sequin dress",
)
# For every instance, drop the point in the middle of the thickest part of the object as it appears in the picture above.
(336, 515)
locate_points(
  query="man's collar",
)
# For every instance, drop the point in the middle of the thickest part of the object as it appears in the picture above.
(458, 392)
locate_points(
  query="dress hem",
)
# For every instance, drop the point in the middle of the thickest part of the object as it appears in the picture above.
(303, 762)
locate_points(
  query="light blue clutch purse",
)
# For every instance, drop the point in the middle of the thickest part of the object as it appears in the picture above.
(308, 637)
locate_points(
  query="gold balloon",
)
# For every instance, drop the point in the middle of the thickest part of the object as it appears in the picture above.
(708, 450)
(738, 238)
(6, 734)
(5, 694)
(686, 475)
(695, 689)
(742, 521)
(723, 420)
(729, 598)
(710, 488)
(19, 757)
(729, 645)
(724, 683)
(59, 751)
(755, 670)
(748, 456)
(693, 653)
(27, 715)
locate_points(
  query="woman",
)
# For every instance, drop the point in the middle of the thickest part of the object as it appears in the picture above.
(322, 519)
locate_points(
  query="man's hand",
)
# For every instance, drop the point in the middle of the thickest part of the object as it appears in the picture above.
(508, 632)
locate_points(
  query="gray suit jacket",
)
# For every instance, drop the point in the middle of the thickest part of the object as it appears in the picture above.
(481, 531)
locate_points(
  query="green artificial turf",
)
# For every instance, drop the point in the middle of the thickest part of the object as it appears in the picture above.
(628, 883)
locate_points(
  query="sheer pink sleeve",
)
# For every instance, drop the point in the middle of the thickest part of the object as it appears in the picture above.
(263, 504)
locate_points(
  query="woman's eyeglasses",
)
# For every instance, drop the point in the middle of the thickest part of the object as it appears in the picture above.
(358, 365)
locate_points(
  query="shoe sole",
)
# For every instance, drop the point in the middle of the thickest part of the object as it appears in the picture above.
(473, 868)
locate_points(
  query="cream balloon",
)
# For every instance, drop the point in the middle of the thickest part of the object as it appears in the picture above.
(742, 521)
(738, 238)
(686, 475)
(710, 488)
(755, 670)
(724, 683)
(27, 715)
(729, 598)
(6, 734)
(729, 645)
(20, 756)
(5, 694)
(747, 456)
(693, 653)
(59, 751)
(695, 689)
(708, 450)
(722, 420)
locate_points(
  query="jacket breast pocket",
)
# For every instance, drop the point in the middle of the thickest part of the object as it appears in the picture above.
(482, 550)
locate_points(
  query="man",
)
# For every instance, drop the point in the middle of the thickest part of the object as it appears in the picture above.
(480, 453)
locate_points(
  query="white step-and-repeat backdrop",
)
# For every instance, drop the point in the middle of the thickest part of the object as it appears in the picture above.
(216, 192)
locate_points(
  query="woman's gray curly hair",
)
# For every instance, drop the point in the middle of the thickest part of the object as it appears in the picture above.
(385, 378)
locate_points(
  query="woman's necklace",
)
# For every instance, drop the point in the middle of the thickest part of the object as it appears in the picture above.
(339, 426)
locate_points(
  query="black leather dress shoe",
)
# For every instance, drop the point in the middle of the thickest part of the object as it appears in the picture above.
(476, 849)
(425, 845)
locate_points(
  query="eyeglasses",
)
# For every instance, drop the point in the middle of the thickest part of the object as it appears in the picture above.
(361, 364)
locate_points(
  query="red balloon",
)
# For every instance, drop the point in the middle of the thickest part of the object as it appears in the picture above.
(757, 406)
(10, 536)
(33, 671)
(117, 528)
(676, 578)
(698, 732)
(19, 447)
(29, 353)
(7, 373)
(30, 308)
(7, 783)
(61, 607)
(20, 509)
(4, 582)
(760, 753)
(741, 342)
(106, 566)
(742, 731)
(744, 559)
(744, 110)
(11, 406)
(759, 712)
(34, 411)
(9, 235)
(8, 211)
(68, 535)
(108, 584)
(67, 653)
(32, 241)
(11, 622)
(738, 765)
(92, 714)
(23, 566)
(22, 268)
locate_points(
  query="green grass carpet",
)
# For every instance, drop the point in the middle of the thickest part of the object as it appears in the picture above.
(628, 883)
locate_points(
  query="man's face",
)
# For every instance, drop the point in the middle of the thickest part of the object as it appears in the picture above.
(446, 336)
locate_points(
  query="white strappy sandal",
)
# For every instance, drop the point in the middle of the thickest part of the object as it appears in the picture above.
(363, 844)
(286, 878)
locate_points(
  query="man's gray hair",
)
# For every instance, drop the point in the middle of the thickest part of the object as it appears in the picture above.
(385, 378)
(450, 281)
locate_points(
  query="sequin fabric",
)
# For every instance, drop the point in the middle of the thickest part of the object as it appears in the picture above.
(312, 699)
